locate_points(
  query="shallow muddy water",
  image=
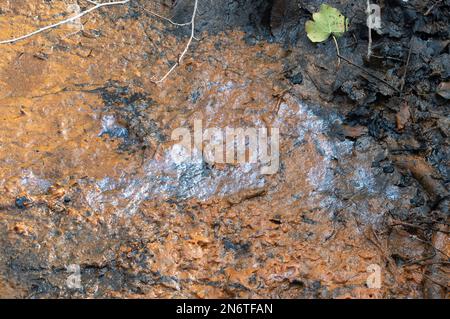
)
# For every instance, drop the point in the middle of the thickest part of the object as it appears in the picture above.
(88, 178)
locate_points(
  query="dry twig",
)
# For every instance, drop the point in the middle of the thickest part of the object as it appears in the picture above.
(68, 20)
(188, 44)
(406, 67)
(369, 73)
(98, 5)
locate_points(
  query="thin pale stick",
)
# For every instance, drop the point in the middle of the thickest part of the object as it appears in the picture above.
(73, 18)
(180, 58)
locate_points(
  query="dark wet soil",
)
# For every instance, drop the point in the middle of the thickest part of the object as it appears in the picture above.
(87, 177)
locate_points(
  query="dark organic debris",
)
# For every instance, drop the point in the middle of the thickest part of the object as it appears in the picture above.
(22, 202)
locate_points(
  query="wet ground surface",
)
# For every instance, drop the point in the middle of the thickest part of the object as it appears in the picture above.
(87, 176)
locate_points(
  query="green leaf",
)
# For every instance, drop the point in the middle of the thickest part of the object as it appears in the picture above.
(327, 21)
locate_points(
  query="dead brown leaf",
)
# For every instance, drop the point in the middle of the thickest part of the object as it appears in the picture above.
(353, 131)
(444, 90)
(403, 116)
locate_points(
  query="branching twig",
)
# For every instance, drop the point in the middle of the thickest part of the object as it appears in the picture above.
(186, 48)
(435, 281)
(96, 6)
(166, 19)
(68, 20)
(369, 73)
(400, 223)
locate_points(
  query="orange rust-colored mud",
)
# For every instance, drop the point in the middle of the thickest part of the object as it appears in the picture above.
(102, 202)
